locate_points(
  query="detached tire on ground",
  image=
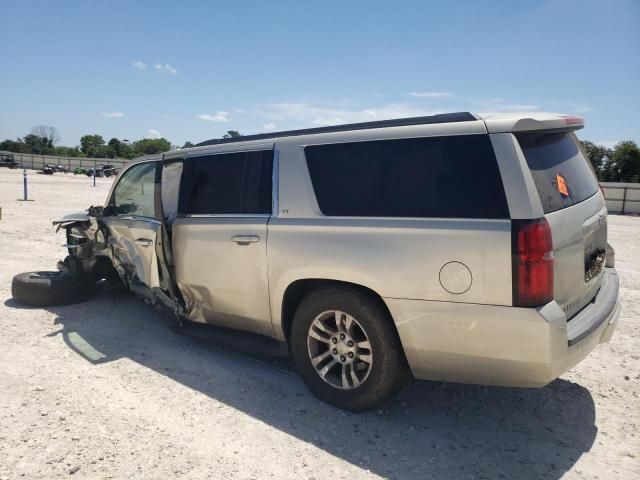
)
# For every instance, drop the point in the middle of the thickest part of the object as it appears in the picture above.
(346, 349)
(51, 288)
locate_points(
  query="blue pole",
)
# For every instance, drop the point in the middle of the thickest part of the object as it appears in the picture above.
(24, 176)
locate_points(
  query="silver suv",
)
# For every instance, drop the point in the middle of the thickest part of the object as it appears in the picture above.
(453, 247)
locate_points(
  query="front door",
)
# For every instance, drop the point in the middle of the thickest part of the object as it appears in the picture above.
(133, 217)
(219, 239)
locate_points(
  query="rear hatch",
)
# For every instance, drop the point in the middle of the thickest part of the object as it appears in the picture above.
(575, 210)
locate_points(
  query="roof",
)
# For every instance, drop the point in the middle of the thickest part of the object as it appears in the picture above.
(400, 122)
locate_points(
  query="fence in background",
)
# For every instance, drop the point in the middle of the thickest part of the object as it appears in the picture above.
(37, 162)
(622, 197)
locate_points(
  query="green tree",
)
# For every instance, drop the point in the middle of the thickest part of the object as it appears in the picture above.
(599, 157)
(67, 151)
(150, 146)
(101, 151)
(232, 134)
(625, 160)
(16, 146)
(188, 145)
(36, 144)
(89, 142)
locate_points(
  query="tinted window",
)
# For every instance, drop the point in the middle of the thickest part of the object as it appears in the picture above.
(555, 158)
(231, 183)
(135, 192)
(454, 176)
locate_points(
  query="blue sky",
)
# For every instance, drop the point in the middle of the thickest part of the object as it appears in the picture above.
(192, 70)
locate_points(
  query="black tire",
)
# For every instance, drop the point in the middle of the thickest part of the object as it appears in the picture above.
(387, 371)
(51, 288)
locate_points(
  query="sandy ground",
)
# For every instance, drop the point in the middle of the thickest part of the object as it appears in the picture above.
(107, 389)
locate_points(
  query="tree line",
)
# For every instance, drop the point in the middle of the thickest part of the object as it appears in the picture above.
(618, 164)
(43, 140)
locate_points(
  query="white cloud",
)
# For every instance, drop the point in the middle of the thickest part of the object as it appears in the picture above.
(430, 94)
(165, 68)
(217, 117)
(139, 65)
(583, 109)
(328, 121)
(153, 133)
(304, 113)
(112, 114)
(269, 126)
(515, 107)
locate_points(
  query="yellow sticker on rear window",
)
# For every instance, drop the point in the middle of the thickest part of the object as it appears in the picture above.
(562, 185)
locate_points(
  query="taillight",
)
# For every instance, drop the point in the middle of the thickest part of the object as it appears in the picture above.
(532, 257)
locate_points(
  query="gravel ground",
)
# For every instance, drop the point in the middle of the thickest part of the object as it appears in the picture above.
(107, 389)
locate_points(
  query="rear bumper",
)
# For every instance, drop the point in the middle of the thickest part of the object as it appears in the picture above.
(496, 345)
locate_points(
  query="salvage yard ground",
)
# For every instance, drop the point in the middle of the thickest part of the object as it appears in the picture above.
(107, 389)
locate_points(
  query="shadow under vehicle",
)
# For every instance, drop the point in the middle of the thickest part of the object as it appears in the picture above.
(431, 430)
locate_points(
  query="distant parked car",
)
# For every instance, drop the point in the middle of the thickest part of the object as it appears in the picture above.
(7, 160)
(60, 168)
(49, 169)
(105, 170)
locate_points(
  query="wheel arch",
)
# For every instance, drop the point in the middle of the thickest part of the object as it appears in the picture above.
(297, 290)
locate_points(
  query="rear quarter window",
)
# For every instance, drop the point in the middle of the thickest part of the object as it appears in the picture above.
(553, 159)
(442, 177)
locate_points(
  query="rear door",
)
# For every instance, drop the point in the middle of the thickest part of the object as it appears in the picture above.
(219, 238)
(576, 212)
(133, 219)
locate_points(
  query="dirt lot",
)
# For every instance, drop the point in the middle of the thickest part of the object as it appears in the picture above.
(107, 389)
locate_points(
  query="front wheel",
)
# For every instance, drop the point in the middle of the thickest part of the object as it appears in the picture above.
(345, 348)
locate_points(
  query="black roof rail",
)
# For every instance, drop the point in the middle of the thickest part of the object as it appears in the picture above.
(399, 122)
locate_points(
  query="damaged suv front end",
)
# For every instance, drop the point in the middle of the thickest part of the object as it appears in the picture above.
(125, 241)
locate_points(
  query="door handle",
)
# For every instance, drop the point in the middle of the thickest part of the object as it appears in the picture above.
(245, 239)
(143, 242)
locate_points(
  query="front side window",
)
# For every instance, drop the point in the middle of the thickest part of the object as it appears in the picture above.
(227, 183)
(440, 177)
(135, 192)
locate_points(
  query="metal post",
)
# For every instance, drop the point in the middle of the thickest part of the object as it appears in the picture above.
(94, 173)
(24, 176)
(624, 199)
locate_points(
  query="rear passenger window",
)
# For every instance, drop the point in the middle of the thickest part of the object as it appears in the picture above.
(229, 183)
(453, 176)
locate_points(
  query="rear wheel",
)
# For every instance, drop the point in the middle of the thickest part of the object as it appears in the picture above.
(345, 348)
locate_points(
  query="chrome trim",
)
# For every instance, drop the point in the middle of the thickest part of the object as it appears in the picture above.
(224, 215)
(275, 175)
(135, 217)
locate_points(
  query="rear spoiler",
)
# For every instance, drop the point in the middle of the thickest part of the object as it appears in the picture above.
(522, 122)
